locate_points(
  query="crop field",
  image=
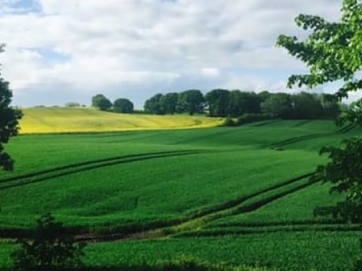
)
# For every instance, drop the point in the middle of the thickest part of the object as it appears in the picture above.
(239, 196)
(66, 120)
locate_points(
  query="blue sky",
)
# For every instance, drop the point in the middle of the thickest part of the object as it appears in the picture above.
(69, 50)
(50, 55)
(21, 6)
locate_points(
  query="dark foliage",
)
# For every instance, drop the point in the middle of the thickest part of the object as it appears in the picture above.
(123, 105)
(9, 121)
(100, 102)
(154, 105)
(50, 247)
(191, 102)
(344, 171)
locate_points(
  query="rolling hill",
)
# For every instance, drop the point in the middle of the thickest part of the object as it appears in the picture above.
(75, 120)
(234, 195)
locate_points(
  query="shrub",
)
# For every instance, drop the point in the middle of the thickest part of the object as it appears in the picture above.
(229, 122)
(50, 247)
(72, 104)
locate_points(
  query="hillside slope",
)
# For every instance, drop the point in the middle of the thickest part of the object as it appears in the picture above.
(65, 120)
(235, 195)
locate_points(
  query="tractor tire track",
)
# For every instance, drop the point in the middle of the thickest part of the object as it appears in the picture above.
(263, 230)
(293, 140)
(80, 164)
(261, 203)
(158, 229)
(245, 228)
(236, 202)
(228, 209)
(264, 123)
(304, 122)
(56, 172)
(347, 128)
(188, 225)
(297, 139)
(242, 224)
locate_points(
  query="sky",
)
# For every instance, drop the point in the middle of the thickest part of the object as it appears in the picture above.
(60, 51)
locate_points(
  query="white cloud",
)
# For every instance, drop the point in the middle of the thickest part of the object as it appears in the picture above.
(212, 72)
(140, 47)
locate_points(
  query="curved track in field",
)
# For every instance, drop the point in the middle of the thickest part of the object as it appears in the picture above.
(190, 225)
(56, 172)
(307, 227)
(297, 139)
(241, 205)
(203, 217)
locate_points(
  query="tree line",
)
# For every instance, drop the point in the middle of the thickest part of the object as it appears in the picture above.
(236, 103)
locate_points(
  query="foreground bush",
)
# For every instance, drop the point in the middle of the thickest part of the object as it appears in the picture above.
(50, 247)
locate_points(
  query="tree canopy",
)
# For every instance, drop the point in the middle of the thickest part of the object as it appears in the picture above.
(236, 103)
(154, 105)
(9, 121)
(100, 102)
(123, 105)
(278, 105)
(218, 101)
(332, 52)
(191, 101)
(169, 103)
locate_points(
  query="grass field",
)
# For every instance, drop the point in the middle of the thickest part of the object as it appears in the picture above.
(238, 195)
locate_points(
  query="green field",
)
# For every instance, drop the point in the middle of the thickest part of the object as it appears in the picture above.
(239, 196)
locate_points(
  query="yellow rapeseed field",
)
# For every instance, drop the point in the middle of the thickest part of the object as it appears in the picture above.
(72, 120)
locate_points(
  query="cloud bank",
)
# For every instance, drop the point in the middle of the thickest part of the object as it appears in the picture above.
(69, 50)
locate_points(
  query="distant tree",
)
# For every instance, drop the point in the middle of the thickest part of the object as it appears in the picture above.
(278, 105)
(154, 105)
(191, 101)
(72, 104)
(218, 101)
(235, 106)
(51, 247)
(242, 102)
(330, 105)
(100, 102)
(9, 121)
(169, 102)
(123, 105)
(250, 102)
(264, 95)
(306, 106)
